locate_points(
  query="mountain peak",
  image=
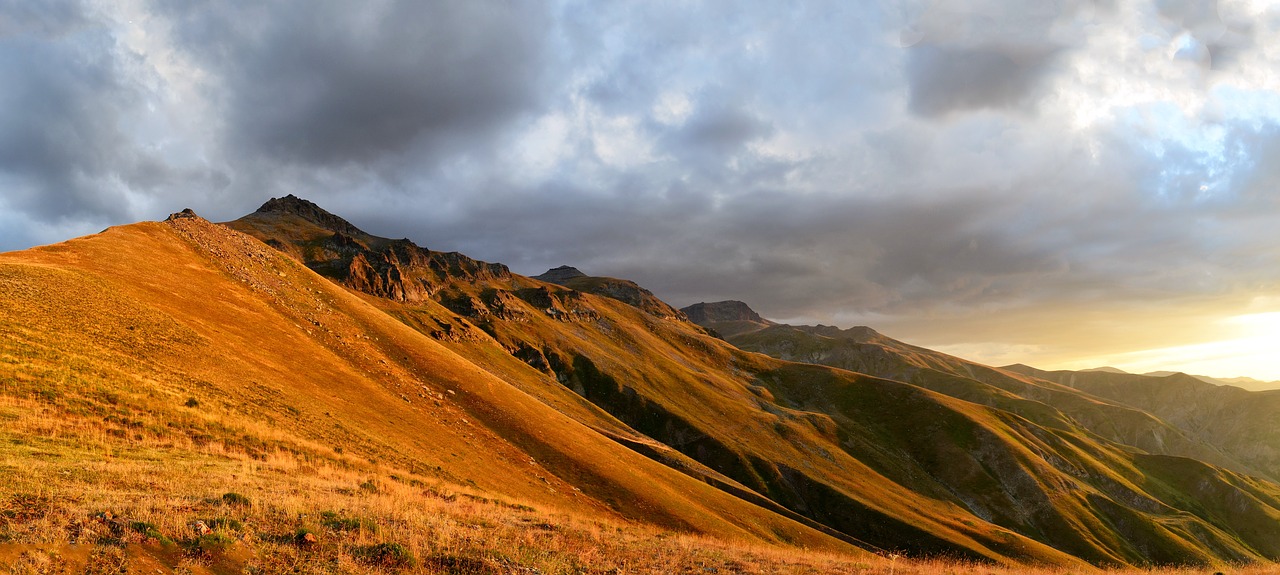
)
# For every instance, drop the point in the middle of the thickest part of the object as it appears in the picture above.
(309, 211)
(560, 274)
(728, 310)
(184, 214)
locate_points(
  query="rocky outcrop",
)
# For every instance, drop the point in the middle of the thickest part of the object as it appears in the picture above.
(561, 305)
(560, 275)
(625, 291)
(185, 213)
(729, 310)
(399, 270)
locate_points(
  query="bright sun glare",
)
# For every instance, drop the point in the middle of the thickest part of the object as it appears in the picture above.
(1254, 352)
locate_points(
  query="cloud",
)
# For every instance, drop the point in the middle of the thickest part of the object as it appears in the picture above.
(966, 168)
(317, 83)
(60, 104)
(946, 79)
(974, 55)
(47, 19)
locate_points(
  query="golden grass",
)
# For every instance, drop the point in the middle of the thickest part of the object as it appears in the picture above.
(79, 471)
(78, 498)
(60, 496)
(140, 386)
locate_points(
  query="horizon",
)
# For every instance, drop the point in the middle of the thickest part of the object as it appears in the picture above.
(1066, 186)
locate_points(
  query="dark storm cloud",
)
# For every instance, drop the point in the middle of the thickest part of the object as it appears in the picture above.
(965, 55)
(715, 133)
(721, 129)
(945, 79)
(61, 96)
(324, 83)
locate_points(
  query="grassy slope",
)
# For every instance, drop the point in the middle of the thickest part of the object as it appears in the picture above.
(668, 380)
(865, 456)
(1242, 422)
(1105, 497)
(131, 324)
(1043, 401)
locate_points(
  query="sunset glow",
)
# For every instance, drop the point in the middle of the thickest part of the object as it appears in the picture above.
(1254, 352)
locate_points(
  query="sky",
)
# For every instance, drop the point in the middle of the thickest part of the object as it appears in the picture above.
(1066, 184)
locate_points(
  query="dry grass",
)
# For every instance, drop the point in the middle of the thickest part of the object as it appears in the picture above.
(137, 395)
(79, 499)
(67, 507)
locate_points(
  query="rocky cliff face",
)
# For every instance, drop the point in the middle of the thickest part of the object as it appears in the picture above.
(395, 269)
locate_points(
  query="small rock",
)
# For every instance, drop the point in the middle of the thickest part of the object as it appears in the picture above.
(200, 528)
(307, 538)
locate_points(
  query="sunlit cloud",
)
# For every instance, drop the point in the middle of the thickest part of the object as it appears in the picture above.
(1252, 354)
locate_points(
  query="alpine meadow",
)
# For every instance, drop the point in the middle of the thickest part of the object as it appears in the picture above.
(668, 287)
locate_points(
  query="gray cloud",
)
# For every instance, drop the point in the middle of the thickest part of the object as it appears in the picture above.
(60, 105)
(318, 83)
(974, 55)
(47, 19)
(947, 79)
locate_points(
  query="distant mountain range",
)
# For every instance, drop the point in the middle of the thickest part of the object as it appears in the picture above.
(1248, 383)
(590, 394)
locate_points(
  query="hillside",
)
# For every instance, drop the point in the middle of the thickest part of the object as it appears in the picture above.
(187, 345)
(1241, 422)
(887, 464)
(711, 407)
(1091, 417)
(1246, 383)
(864, 350)
(331, 375)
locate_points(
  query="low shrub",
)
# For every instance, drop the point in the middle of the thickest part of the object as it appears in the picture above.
(233, 498)
(389, 555)
(337, 522)
(211, 544)
(149, 531)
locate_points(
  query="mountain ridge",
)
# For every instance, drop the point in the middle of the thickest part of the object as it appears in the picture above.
(864, 350)
(590, 366)
(457, 370)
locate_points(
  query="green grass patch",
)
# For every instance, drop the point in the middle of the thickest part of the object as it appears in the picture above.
(387, 555)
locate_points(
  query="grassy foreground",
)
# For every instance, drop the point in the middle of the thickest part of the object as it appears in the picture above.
(79, 495)
(78, 498)
(75, 503)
